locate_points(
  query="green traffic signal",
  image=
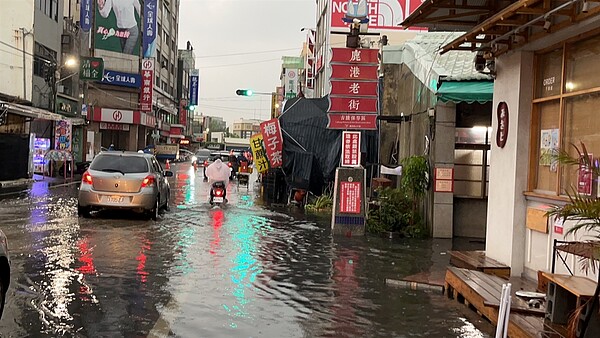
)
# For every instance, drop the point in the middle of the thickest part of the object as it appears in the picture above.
(244, 92)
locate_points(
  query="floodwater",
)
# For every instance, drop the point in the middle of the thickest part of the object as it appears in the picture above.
(240, 271)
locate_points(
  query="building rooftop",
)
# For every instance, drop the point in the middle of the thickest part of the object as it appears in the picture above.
(421, 55)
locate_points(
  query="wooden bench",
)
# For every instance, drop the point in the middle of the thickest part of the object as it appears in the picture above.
(476, 260)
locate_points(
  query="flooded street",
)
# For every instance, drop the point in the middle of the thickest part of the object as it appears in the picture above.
(240, 271)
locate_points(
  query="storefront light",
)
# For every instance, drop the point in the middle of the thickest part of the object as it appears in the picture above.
(569, 86)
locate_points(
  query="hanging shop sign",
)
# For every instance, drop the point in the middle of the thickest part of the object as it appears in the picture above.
(352, 104)
(353, 72)
(62, 135)
(194, 80)
(502, 131)
(66, 106)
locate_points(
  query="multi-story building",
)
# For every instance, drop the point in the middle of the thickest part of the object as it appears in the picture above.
(32, 69)
(186, 63)
(246, 128)
(116, 112)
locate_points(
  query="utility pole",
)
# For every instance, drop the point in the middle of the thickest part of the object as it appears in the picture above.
(24, 35)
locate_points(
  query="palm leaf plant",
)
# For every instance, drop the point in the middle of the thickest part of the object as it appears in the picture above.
(584, 211)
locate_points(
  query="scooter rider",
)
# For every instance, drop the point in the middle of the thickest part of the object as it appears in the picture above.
(218, 172)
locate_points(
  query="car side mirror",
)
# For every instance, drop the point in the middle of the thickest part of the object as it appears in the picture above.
(168, 173)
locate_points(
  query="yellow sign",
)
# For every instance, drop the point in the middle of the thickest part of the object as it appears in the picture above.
(258, 153)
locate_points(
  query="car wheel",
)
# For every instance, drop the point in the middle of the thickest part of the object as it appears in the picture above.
(155, 210)
(166, 206)
(83, 211)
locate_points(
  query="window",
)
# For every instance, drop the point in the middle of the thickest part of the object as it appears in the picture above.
(564, 113)
(43, 59)
(124, 164)
(49, 8)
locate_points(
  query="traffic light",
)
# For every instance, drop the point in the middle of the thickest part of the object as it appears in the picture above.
(244, 92)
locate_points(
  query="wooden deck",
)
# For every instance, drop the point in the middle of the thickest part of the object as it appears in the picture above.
(481, 292)
(476, 260)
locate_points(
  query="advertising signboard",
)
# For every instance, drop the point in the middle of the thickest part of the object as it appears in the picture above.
(382, 14)
(290, 81)
(258, 153)
(112, 77)
(350, 148)
(62, 135)
(147, 87)
(149, 29)
(271, 132)
(117, 26)
(350, 197)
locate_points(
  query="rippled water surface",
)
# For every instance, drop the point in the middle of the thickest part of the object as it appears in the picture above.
(244, 271)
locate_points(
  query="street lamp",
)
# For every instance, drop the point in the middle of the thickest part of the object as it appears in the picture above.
(70, 63)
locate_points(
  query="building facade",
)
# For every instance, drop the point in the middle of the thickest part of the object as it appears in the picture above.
(246, 128)
(185, 86)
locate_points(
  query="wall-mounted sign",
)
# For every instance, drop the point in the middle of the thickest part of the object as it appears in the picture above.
(114, 126)
(355, 88)
(352, 55)
(350, 197)
(444, 180)
(502, 131)
(382, 14)
(115, 78)
(353, 72)
(65, 106)
(116, 115)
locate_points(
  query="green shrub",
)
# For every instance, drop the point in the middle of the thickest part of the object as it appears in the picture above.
(394, 213)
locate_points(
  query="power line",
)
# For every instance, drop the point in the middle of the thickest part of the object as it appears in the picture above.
(240, 64)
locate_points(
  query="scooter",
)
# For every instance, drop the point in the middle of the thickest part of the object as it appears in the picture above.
(217, 193)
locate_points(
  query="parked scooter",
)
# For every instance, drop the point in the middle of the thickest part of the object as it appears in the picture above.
(218, 193)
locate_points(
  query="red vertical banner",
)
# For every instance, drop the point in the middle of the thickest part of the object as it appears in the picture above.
(350, 197)
(147, 87)
(182, 113)
(271, 132)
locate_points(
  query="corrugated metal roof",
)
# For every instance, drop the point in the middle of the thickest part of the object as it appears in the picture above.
(421, 55)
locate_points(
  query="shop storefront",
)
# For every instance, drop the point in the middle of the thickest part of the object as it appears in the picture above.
(546, 94)
(124, 129)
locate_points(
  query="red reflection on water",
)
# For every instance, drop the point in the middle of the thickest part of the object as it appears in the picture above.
(87, 268)
(141, 258)
(346, 287)
(217, 222)
(181, 181)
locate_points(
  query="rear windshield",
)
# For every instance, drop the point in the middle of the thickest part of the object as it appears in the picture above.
(203, 152)
(123, 164)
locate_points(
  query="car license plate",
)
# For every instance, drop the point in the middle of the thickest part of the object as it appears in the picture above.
(114, 199)
(218, 199)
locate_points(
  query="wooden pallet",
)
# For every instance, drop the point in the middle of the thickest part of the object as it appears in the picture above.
(477, 260)
(481, 292)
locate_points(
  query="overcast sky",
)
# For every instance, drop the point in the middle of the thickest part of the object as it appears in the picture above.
(260, 32)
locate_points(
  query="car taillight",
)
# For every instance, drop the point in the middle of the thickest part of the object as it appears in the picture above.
(86, 178)
(148, 181)
(229, 164)
(206, 163)
(219, 192)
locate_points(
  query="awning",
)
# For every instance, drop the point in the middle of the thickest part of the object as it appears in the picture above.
(33, 112)
(466, 91)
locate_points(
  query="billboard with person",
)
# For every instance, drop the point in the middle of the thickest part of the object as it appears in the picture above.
(118, 26)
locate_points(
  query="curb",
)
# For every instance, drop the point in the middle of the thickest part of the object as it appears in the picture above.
(16, 183)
